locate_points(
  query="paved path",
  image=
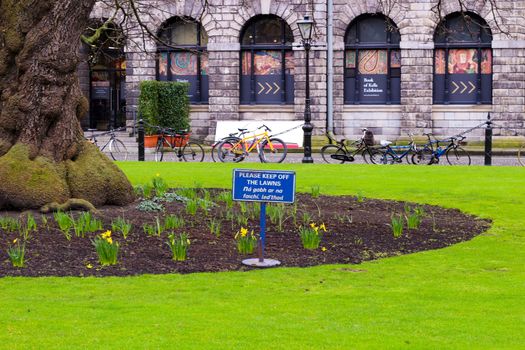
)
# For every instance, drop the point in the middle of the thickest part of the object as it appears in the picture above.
(297, 158)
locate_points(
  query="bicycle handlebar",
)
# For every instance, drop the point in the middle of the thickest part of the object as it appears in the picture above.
(265, 128)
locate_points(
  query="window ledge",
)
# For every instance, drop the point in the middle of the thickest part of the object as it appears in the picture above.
(461, 108)
(267, 108)
(372, 108)
(199, 108)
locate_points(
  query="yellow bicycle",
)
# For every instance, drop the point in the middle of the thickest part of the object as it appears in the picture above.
(236, 149)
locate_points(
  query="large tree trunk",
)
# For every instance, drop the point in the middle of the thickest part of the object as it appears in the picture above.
(43, 154)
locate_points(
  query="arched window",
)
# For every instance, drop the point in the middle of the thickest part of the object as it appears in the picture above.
(267, 64)
(463, 60)
(187, 60)
(372, 61)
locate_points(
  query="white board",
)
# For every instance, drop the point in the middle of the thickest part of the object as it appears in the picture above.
(293, 134)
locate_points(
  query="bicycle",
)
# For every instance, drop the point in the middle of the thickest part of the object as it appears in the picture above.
(237, 148)
(174, 145)
(117, 149)
(341, 152)
(215, 146)
(388, 155)
(454, 153)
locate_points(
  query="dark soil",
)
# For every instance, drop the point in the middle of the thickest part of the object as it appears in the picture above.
(357, 231)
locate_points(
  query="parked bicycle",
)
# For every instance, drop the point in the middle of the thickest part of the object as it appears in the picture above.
(431, 152)
(116, 148)
(394, 154)
(173, 145)
(215, 146)
(237, 148)
(342, 152)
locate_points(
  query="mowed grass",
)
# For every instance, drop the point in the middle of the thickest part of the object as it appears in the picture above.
(471, 295)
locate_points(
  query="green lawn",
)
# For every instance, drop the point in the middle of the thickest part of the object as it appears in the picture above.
(471, 295)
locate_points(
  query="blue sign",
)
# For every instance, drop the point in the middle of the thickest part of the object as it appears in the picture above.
(264, 186)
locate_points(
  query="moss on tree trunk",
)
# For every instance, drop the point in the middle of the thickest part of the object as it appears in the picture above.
(43, 154)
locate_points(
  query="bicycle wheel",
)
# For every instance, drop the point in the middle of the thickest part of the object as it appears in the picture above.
(381, 157)
(230, 150)
(164, 152)
(118, 150)
(214, 149)
(333, 154)
(423, 157)
(457, 156)
(193, 152)
(275, 155)
(521, 155)
(367, 155)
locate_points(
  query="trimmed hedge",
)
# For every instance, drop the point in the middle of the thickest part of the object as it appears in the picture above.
(164, 103)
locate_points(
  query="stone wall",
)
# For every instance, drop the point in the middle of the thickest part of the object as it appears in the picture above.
(416, 20)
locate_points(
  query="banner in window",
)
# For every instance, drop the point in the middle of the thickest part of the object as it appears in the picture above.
(372, 76)
(266, 84)
(183, 68)
(463, 67)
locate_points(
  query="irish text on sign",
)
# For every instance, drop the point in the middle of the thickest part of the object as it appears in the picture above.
(263, 186)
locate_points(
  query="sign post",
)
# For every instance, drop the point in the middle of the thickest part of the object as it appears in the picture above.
(263, 186)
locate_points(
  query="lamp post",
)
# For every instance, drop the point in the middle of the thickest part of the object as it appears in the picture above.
(305, 28)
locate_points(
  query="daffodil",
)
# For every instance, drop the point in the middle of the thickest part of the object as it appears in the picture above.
(244, 232)
(89, 266)
(322, 227)
(109, 240)
(323, 249)
(312, 224)
(15, 240)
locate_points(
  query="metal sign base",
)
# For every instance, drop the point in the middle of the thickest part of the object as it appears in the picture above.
(255, 262)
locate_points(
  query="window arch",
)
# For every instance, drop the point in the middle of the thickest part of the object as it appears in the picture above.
(463, 60)
(372, 61)
(267, 65)
(188, 60)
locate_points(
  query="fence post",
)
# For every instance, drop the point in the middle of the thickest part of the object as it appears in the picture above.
(488, 141)
(141, 140)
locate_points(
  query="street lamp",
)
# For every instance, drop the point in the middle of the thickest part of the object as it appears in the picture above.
(305, 28)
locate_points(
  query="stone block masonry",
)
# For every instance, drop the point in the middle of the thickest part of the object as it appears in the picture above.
(223, 22)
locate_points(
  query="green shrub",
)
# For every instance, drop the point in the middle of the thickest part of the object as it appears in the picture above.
(164, 104)
(148, 104)
(174, 105)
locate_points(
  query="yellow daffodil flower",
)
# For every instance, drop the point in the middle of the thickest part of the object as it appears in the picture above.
(322, 227)
(244, 232)
(323, 249)
(312, 225)
(109, 240)
(89, 266)
(15, 240)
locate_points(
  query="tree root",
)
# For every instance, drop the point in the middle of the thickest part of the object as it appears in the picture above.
(30, 183)
(70, 204)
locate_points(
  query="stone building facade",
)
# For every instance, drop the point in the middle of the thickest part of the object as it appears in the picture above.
(496, 66)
